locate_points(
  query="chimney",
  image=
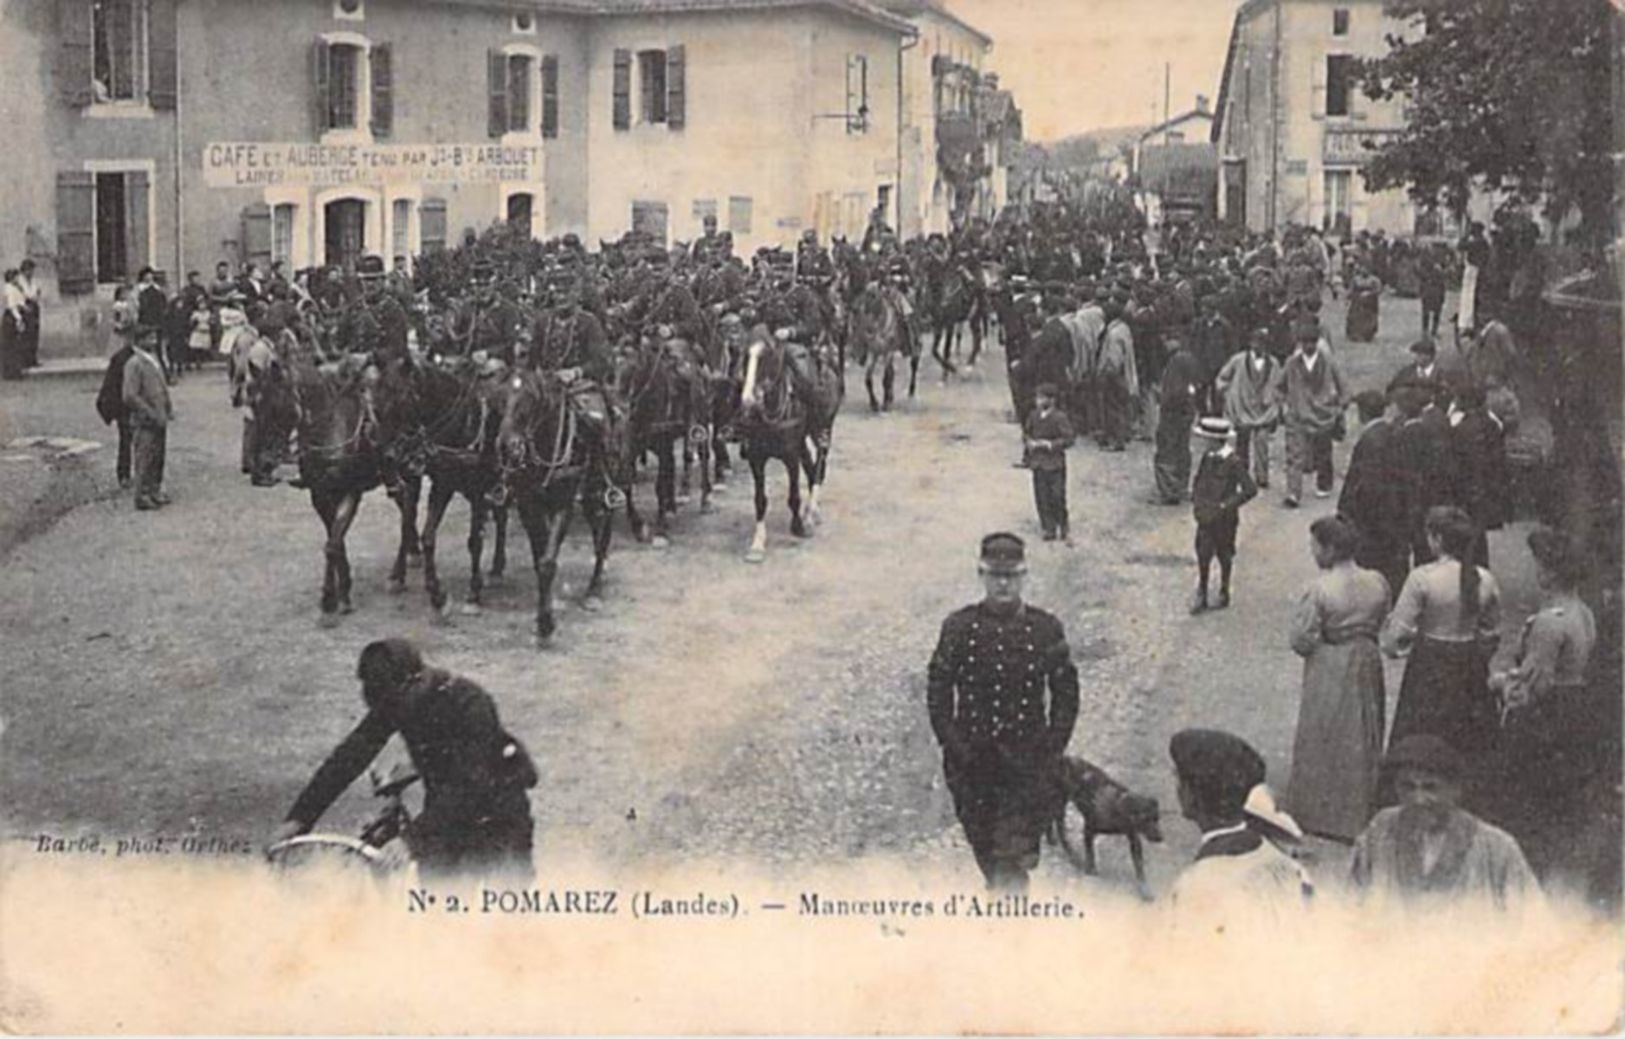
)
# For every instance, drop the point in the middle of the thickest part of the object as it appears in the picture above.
(1201, 103)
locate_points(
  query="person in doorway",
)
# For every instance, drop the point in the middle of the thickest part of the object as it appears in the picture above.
(995, 665)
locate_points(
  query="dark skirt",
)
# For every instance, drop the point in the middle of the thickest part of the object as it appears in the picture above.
(1361, 325)
(1445, 692)
(12, 350)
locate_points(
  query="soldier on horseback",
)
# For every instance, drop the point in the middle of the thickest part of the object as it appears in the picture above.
(569, 341)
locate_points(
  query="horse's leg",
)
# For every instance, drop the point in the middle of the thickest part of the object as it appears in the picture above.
(599, 521)
(758, 473)
(889, 382)
(439, 497)
(665, 489)
(499, 554)
(543, 526)
(913, 373)
(634, 519)
(703, 448)
(325, 508)
(869, 382)
(686, 488)
(978, 330)
(343, 515)
(411, 545)
(478, 508)
(792, 466)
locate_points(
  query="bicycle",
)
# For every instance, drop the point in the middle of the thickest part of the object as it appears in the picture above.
(366, 852)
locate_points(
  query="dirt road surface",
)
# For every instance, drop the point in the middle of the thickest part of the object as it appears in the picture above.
(165, 672)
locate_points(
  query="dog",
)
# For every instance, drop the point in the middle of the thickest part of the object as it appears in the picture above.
(1108, 808)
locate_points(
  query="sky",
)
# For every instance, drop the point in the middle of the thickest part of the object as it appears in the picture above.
(1077, 65)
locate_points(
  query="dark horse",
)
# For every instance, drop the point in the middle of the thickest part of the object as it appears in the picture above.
(546, 463)
(458, 415)
(664, 384)
(954, 299)
(878, 335)
(787, 409)
(350, 429)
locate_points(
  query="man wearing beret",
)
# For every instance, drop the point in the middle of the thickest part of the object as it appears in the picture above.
(1001, 743)
(1217, 772)
(1428, 848)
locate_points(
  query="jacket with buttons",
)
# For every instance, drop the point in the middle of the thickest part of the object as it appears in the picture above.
(987, 681)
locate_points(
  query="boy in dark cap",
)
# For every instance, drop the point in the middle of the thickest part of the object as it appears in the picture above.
(1001, 743)
(1046, 436)
(1216, 772)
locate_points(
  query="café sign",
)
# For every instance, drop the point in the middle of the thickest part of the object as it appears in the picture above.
(1354, 147)
(262, 164)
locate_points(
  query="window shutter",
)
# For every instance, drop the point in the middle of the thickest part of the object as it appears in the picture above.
(137, 197)
(383, 90)
(257, 234)
(74, 69)
(550, 96)
(161, 67)
(496, 83)
(432, 224)
(75, 231)
(677, 87)
(622, 92)
(320, 87)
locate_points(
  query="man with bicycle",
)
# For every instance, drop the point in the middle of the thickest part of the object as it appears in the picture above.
(476, 815)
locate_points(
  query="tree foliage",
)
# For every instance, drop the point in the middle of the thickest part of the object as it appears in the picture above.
(1510, 95)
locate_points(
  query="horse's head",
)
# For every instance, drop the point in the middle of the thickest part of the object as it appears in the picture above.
(530, 401)
(764, 370)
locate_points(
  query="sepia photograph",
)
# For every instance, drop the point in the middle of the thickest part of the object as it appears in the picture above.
(860, 517)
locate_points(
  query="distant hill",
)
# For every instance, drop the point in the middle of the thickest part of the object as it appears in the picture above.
(1080, 149)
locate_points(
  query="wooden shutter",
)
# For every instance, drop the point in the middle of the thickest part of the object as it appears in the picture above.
(622, 113)
(676, 87)
(163, 76)
(75, 231)
(383, 90)
(257, 234)
(432, 224)
(74, 68)
(137, 197)
(321, 87)
(550, 95)
(496, 84)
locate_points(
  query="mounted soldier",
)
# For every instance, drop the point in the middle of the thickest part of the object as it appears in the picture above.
(569, 341)
(486, 321)
(711, 248)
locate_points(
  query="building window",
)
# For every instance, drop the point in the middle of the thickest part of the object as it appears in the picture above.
(349, 10)
(1340, 73)
(282, 233)
(343, 86)
(1339, 205)
(652, 84)
(119, 50)
(857, 93)
(519, 88)
(649, 219)
(119, 222)
(1340, 21)
(400, 228)
(739, 212)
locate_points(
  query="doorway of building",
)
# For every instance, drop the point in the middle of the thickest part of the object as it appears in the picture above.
(1235, 194)
(346, 221)
(519, 210)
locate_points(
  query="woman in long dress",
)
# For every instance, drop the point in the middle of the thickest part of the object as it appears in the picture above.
(1337, 752)
(1447, 621)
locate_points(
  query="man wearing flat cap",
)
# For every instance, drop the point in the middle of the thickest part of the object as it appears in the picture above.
(1428, 848)
(1217, 771)
(1002, 738)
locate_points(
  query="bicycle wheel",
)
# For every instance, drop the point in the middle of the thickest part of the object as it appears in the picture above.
(327, 853)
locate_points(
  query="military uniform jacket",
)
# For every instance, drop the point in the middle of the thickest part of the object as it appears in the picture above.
(987, 680)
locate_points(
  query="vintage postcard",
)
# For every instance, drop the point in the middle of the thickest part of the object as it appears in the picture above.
(810, 516)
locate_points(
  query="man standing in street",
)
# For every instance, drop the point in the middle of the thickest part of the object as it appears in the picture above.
(1313, 397)
(1246, 385)
(1375, 494)
(110, 406)
(1117, 378)
(146, 401)
(1001, 748)
(1176, 414)
(150, 307)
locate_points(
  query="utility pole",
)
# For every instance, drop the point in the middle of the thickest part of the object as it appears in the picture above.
(1167, 77)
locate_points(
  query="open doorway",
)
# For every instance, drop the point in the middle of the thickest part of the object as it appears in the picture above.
(346, 221)
(520, 205)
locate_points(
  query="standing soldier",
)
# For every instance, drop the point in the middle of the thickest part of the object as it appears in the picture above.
(1001, 748)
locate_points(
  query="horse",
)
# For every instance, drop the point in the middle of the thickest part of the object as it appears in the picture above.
(457, 416)
(668, 398)
(878, 334)
(953, 301)
(787, 416)
(349, 431)
(545, 465)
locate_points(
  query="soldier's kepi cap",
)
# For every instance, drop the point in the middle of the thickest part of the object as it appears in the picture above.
(370, 267)
(1221, 768)
(1004, 553)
